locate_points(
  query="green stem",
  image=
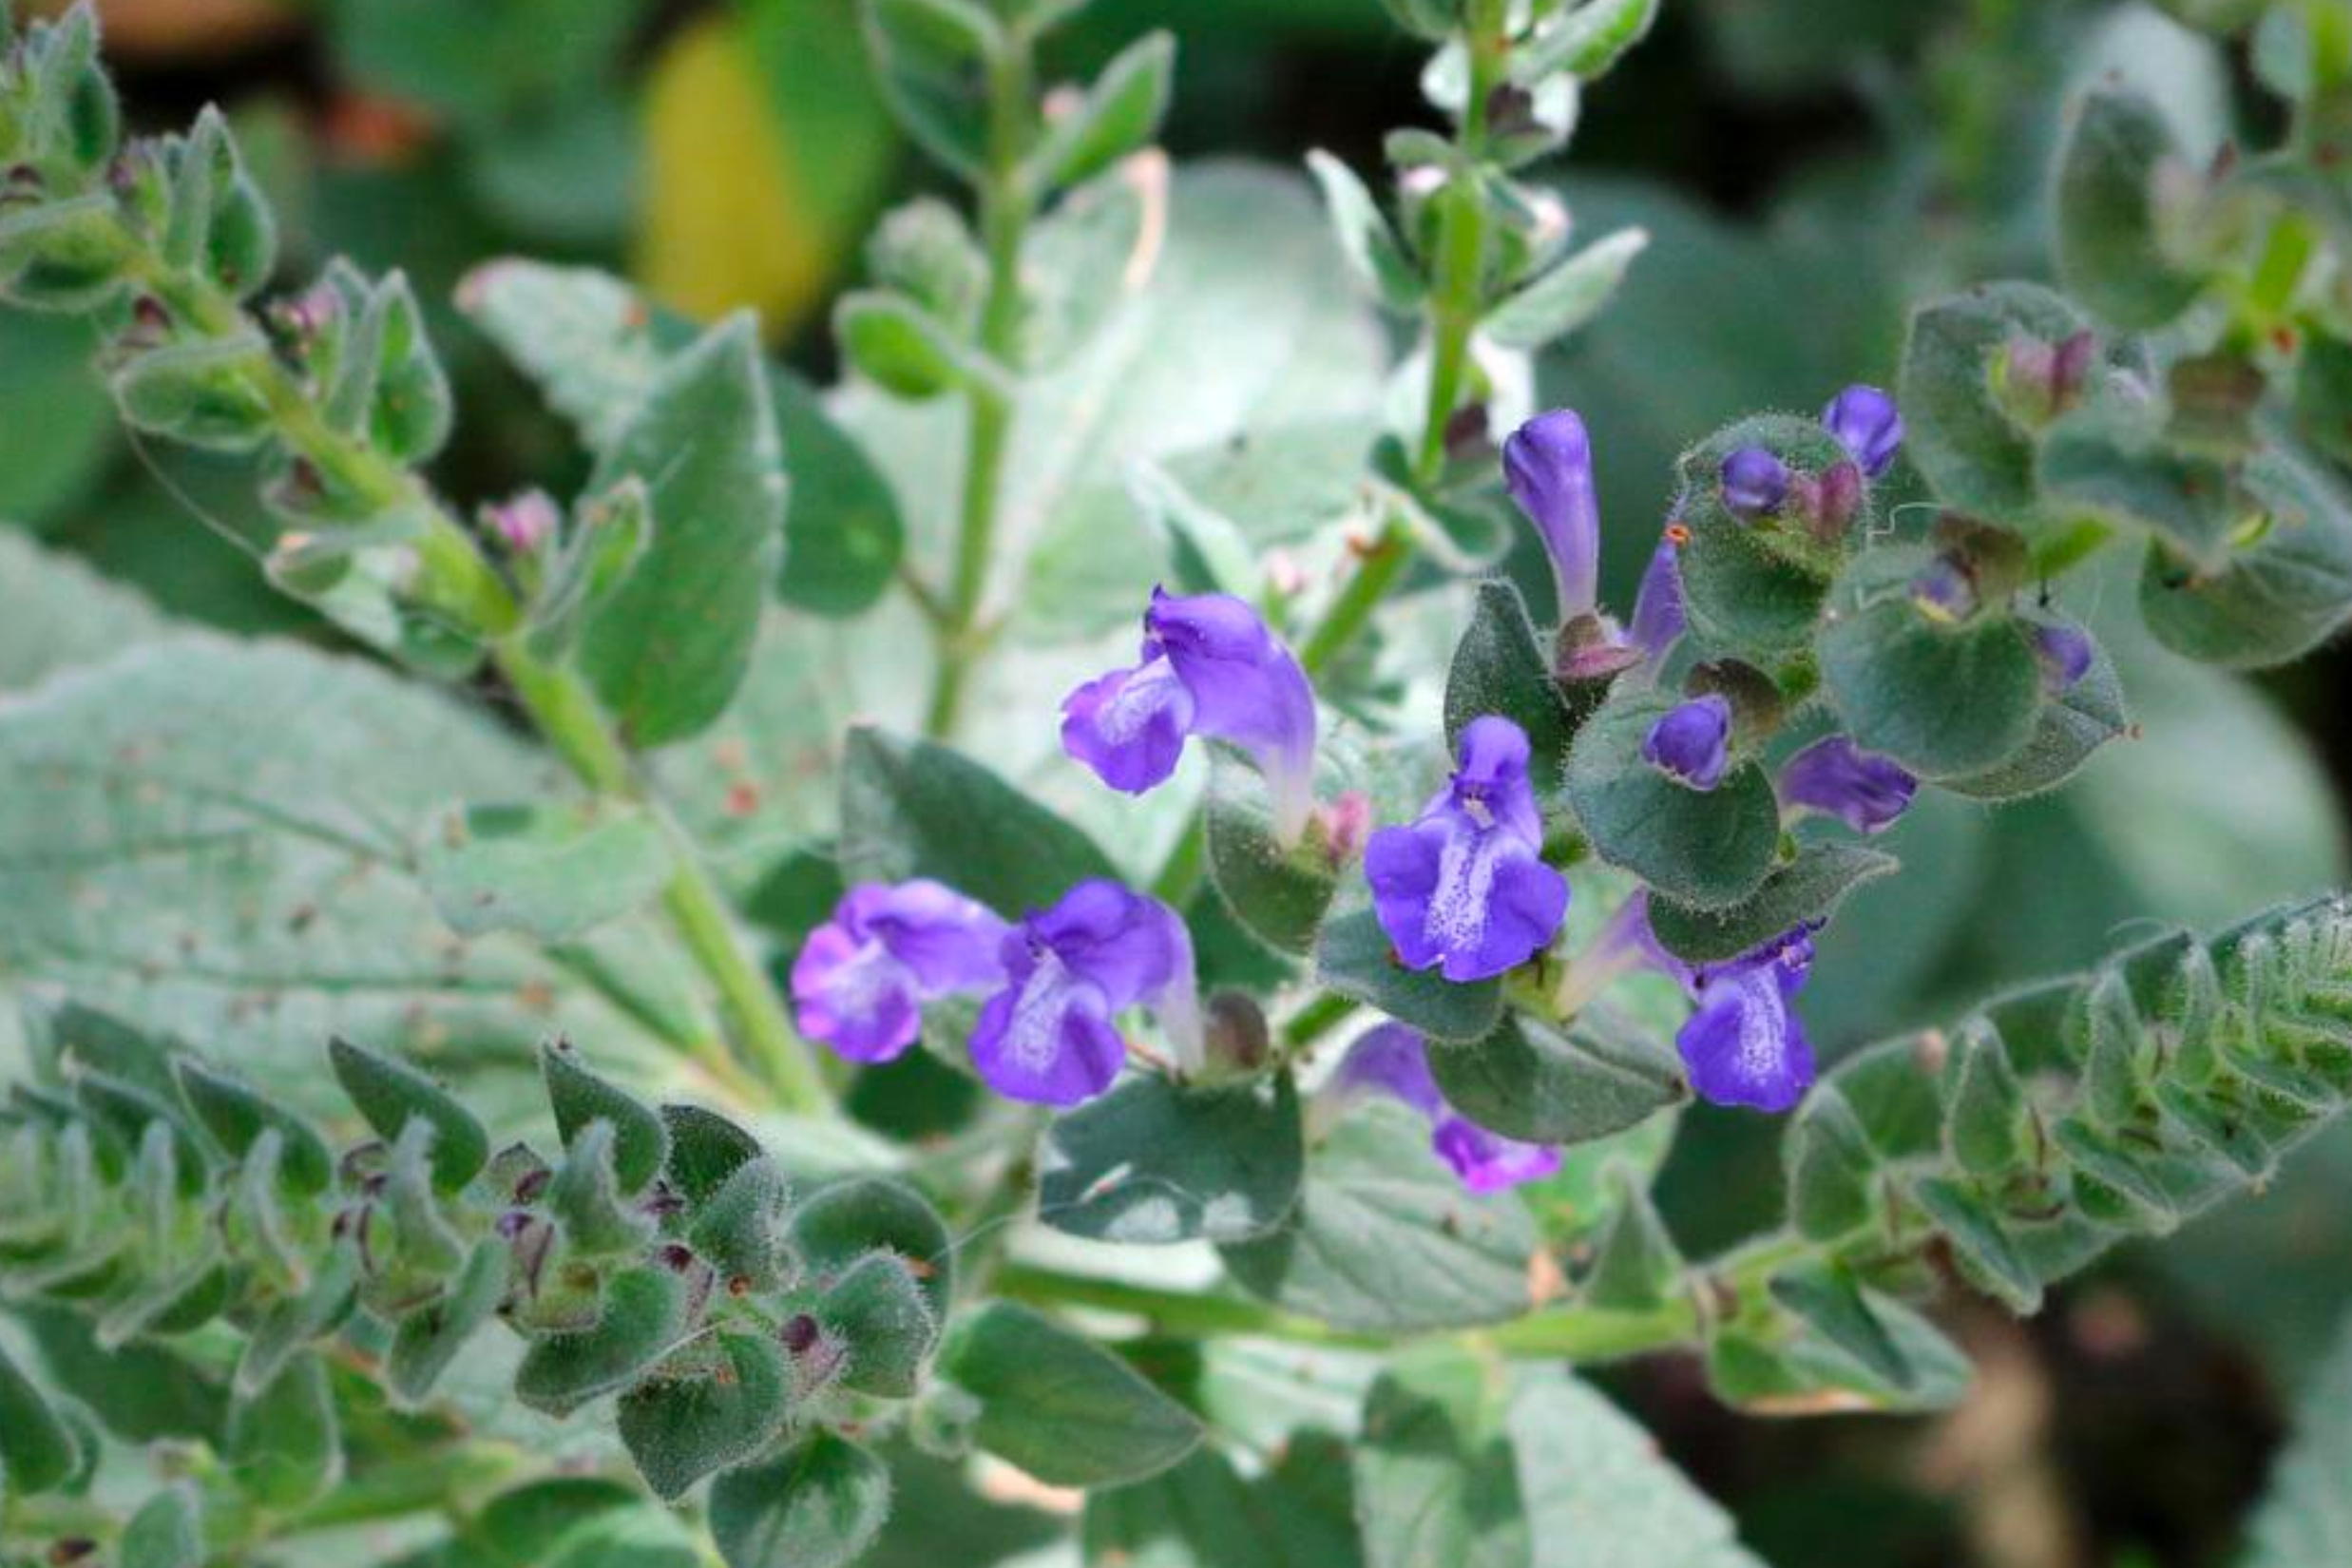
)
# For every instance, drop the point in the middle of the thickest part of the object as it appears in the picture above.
(455, 579)
(1377, 570)
(1006, 204)
(1315, 1019)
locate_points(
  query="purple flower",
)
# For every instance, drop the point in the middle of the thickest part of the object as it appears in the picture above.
(1867, 425)
(2065, 654)
(1464, 887)
(1692, 741)
(1393, 1060)
(1657, 608)
(1833, 776)
(1548, 462)
(1755, 483)
(1047, 1036)
(1745, 1044)
(862, 977)
(525, 523)
(1209, 667)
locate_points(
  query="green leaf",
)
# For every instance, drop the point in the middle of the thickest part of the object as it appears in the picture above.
(167, 1532)
(285, 1447)
(553, 871)
(878, 1308)
(2114, 465)
(667, 650)
(933, 57)
(843, 534)
(37, 1449)
(1941, 700)
(390, 1094)
(2278, 597)
(1977, 458)
(68, 614)
(706, 1150)
(1437, 1484)
(1635, 1263)
(910, 807)
(1706, 848)
(585, 1200)
(642, 1313)
(295, 1321)
(2305, 1515)
(2073, 724)
(1365, 238)
(740, 1230)
(1203, 1514)
(1810, 888)
(579, 1095)
(1542, 1084)
(1597, 1492)
(1058, 1405)
(237, 1115)
(203, 392)
(1567, 297)
(901, 348)
(838, 1225)
(1983, 1250)
(1121, 111)
(1830, 1168)
(2108, 235)
(1826, 1297)
(708, 1408)
(428, 1340)
(1386, 1239)
(1586, 39)
(140, 1392)
(1279, 895)
(817, 1504)
(1154, 1162)
(1500, 666)
(1984, 1109)
(1355, 957)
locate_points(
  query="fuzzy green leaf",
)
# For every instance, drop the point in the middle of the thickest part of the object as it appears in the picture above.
(1542, 1084)
(817, 1504)
(1710, 849)
(708, 1407)
(392, 1094)
(1154, 1162)
(1058, 1405)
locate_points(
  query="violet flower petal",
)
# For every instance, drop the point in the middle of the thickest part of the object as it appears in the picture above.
(1861, 789)
(1489, 1162)
(1692, 742)
(1755, 483)
(1246, 688)
(1129, 726)
(1548, 464)
(1867, 425)
(1657, 608)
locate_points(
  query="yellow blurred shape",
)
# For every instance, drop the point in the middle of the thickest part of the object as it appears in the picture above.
(723, 225)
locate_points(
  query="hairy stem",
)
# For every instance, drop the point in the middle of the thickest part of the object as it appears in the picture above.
(1006, 205)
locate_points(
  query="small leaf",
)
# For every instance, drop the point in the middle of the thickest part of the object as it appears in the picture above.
(1355, 957)
(1154, 1162)
(285, 1448)
(878, 1308)
(206, 394)
(579, 1095)
(740, 1230)
(912, 808)
(668, 648)
(37, 1449)
(585, 1200)
(817, 1504)
(2115, 466)
(2073, 725)
(1810, 888)
(842, 529)
(1585, 41)
(1279, 895)
(429, 1338)
(390, 1093)
(2109, 249)
(237, 1116)
(1297, 1513)
(1710, 849)
(934, 58)
(1120, 114)
(643, 1311)
(1567, 297)
(899, 347)
(1058, 1405)
(553, 871)
(706, 1150)
(1828, 1298)
(1830, 1168)
(708, 1408)
(1941, 700)
(2280, 596)
(1985, 1104)
(1977, 458)
(838, 1225)
(1437, 1482)
(295, 1321)
(1365, 238)
(1984, 1251)
(1385, 1238)
(1636, 1264)
(1500, 667)
(1541, 1084)
(167, 1532)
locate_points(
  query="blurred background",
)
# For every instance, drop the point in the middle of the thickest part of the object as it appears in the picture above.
(1805, 168)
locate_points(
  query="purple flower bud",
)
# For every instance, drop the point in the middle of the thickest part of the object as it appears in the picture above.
(1867, 425)
(2065, 654)
(1755, 483)
(1834, 777)
(1692, 741)
(1393, 1060)
(1048, 1037)
(1548, 463)
(862, 977)
(1745, 1045)
(1657, 608)
(1209, 667)
(1464, 887)
(1831, 501)
(526, 523)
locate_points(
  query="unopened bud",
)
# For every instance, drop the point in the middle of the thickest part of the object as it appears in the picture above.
(1236, 1039)
(1346, 823)
(524, 525)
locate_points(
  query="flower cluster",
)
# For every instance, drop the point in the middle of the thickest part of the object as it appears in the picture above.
(1465, 890)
